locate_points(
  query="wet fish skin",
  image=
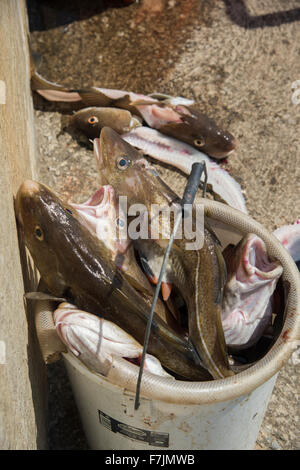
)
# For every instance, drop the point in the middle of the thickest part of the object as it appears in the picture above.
(252, 278)
(96, 341)
(202, 291)
(198, 130)
(102, 215)
(141, 184)
(91, 120)
(182, 156)
(182, 121)
(77, 266)
(139, 177)
(289, 236)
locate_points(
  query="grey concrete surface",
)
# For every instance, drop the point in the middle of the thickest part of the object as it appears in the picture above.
(239, 59)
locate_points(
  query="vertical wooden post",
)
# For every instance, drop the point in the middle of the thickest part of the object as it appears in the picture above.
(22, 385)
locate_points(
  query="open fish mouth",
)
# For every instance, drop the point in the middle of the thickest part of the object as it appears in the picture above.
(247, 306)
(256, 260)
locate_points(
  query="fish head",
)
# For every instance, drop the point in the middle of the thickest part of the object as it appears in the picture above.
(88, 121)
(102, 215)
(247, 301)
(42, 218)
(91, 120)
(204, 134)
(254, 265)
(122, 166)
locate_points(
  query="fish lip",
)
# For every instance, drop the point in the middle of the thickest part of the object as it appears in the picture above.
(261, 255)
(229, 148)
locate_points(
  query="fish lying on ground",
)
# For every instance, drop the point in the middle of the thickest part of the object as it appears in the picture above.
(182, 156)
(91, 120)
(289, 236)
(95, 341)
(251, 281)
(183, 121)
(77, 266)
(130, 174)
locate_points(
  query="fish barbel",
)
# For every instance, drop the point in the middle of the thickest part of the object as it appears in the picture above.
(96, 341)
(75, 265)
(122, 166)
(251, 281)
(177, 117)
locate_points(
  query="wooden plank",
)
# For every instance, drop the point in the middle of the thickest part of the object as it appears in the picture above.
(22, 374)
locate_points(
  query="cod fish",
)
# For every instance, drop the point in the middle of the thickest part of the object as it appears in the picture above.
(91, 120)
(182, 156)
(77, 266)
(251, 281)
(96, 341)
(101, 214)
(177, 117)
(122, 166)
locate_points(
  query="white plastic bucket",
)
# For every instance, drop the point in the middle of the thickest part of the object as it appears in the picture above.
(179, 415)
(110, 421)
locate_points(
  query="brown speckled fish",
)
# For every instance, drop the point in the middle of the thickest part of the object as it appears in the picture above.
(76, 265)
(91, 120)
(177, 117)
(201, 272)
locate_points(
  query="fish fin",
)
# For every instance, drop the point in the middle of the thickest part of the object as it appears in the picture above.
(166, 289)
(58, 95)
(143, 103)
(148, 271)
(43, 296)
(50, 90)
(152, 278)
(160, 96)
(94, 97)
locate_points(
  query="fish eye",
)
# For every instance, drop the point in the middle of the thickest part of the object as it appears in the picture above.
(93, 120)
(123, 163)
(120, 223)
(39, 233)
(199, 142)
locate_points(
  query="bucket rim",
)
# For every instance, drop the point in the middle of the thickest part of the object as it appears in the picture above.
(124, 375)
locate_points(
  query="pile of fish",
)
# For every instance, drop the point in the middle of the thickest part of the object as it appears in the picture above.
(215, 307)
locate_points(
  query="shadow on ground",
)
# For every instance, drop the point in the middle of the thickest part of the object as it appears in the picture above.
(238, 12)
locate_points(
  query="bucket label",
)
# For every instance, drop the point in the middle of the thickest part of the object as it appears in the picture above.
(158, 439)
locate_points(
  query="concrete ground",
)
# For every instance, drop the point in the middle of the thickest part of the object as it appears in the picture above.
(239, 59)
